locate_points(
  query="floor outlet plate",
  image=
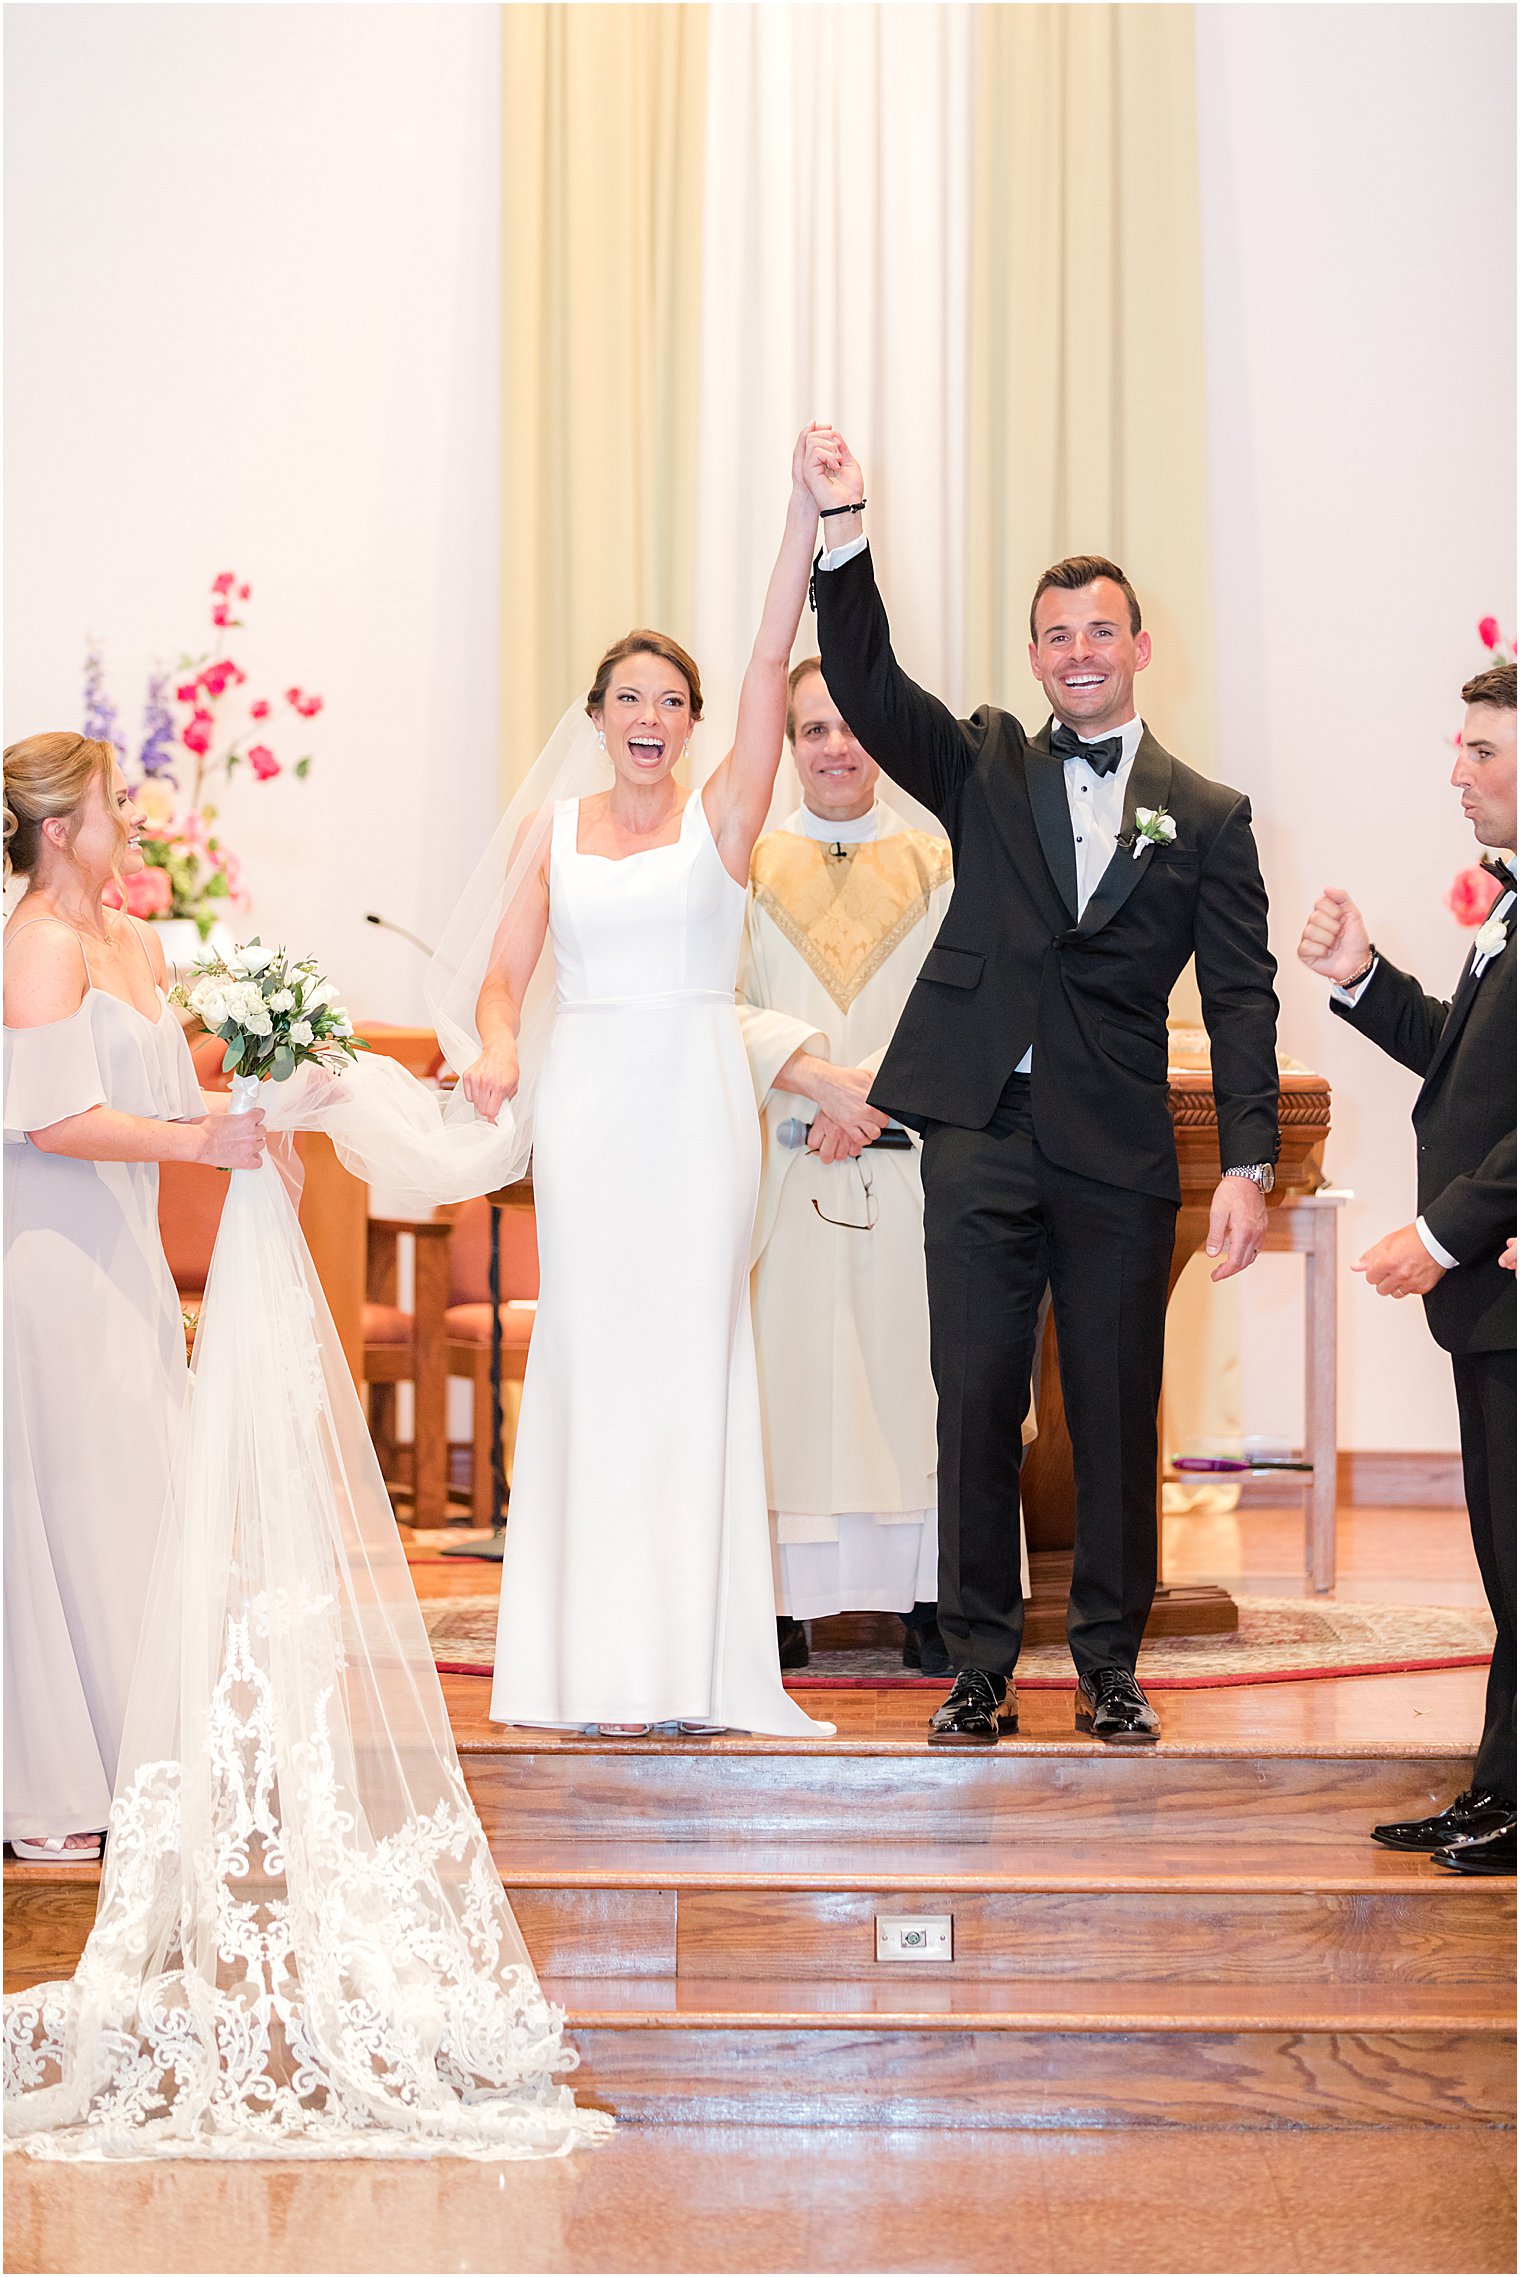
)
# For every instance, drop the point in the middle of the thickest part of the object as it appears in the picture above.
(914, 1936)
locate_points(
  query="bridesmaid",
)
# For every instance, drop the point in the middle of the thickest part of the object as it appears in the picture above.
(99, 1089)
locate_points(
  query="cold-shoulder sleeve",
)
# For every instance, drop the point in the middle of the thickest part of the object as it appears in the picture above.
(183, 1101)
(51, 1072)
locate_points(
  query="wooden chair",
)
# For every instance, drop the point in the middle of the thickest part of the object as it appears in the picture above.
(409, 1347)
(190, 1199)
(468, 1326)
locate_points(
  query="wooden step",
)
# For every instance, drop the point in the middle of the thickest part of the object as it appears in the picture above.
(1246, 1914)
(657, 1791)
(781, 2052)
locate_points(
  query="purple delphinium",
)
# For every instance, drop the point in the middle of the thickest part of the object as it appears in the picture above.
(157, 755)
(101, 724)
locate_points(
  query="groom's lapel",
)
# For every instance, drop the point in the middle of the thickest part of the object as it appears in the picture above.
(1150, 782)
(1045, 777)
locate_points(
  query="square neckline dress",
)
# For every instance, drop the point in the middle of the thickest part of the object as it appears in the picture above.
(637, 1579)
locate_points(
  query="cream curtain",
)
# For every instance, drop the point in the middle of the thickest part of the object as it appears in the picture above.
(1086, 415)
(602, 163)
(1087, 427)
(835, 279)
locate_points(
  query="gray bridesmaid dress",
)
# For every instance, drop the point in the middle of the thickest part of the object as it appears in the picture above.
(95, 1382)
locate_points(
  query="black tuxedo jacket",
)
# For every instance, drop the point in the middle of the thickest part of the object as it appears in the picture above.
(1013, 965)
(1464, 1120)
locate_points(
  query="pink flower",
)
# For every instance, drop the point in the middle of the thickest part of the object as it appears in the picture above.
(307, 706)
(221, 614)
(215, 678)
(149, 894)
(196, 737)
(263, 762)
(1488, 631)
(188, 691)
(245, 592)
(258, 709)
(225, 582)
(1472, 895)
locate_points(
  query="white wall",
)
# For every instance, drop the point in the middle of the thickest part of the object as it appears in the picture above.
(1358, 207)
(252, 295)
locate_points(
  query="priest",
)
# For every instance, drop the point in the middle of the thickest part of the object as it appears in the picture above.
(846, 898)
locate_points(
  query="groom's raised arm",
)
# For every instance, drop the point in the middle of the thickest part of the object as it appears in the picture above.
(916, 738)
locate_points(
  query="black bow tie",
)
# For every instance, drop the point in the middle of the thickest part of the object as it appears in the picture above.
(1500, 871)
(1103, 758)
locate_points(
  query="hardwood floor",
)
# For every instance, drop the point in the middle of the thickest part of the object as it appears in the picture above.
(678, 2198)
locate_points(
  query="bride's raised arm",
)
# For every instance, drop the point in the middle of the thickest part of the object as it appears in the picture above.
(738, 794)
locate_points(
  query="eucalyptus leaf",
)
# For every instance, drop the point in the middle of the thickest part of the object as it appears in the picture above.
(231, 1057)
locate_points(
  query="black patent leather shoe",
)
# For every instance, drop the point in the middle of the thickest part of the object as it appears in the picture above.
(1111, 1705)
(1491, 1853)
(791, 1642)
(923, 1646)
(1475, 1811)
(978, 1709)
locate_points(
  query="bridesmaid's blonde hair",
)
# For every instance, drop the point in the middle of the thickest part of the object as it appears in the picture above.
(46, 777)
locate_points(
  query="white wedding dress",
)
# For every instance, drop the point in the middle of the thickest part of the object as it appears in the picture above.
(636, 1586)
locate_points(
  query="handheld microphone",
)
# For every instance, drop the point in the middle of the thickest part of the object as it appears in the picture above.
(386, 926)
(794, 1133)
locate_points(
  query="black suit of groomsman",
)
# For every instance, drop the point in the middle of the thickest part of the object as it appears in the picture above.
(1032, 1056)
(1464, 1120)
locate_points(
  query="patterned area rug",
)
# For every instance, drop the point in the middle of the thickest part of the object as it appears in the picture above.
(1280, 1640)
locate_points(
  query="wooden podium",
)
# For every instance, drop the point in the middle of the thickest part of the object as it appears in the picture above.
(1047, 1484)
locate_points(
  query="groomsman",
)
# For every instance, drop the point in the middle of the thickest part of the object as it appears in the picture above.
(1090, 865)
(845, 901)
(1454, 1253)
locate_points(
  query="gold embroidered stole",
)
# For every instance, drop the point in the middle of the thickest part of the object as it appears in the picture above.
(846, 913)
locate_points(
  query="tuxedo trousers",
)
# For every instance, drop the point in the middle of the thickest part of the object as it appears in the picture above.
(1486, 1412)
(1001, 1221)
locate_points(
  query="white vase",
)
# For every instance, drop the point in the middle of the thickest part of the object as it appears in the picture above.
(182, 943)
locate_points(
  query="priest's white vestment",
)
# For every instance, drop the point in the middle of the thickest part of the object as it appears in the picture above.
(841, 917)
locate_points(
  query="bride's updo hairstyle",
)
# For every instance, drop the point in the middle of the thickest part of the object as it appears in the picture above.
(48, 777)
(645, 643)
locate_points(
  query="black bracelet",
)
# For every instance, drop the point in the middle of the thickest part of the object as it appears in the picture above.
(827, 513)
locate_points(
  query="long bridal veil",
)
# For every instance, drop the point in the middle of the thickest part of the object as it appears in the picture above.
(302, 1946)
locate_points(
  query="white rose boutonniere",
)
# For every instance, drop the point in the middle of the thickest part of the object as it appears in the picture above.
(1490, 937)
(1153, 827)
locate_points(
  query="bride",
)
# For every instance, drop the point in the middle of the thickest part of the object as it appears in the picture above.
(636, 1584)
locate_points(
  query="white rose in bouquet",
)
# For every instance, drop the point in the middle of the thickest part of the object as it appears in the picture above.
(283, 1000)
(251, 958)
(301, 1031)
(208, 1001)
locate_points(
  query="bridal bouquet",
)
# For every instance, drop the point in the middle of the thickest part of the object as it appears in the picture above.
(273, 1013)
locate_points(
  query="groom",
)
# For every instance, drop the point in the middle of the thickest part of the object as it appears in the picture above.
(1089, 866)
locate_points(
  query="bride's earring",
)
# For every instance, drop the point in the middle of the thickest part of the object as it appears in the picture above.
(601, 740)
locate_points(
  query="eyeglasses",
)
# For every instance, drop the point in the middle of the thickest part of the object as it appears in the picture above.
(848, 1225)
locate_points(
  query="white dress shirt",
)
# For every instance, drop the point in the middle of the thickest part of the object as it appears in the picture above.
(1480, 965)
(1096, 806)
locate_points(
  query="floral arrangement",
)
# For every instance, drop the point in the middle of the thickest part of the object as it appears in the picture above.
(197, 732)
(1473, 892)
(272, 1013)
